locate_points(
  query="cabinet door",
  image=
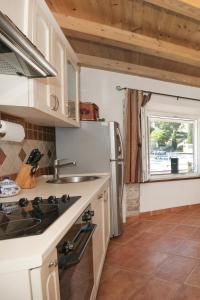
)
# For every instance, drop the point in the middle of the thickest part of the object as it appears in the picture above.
(106, 216)
(20, 13)
(73, 82)
(58, 82)
(98, 237)
(40, 87)
(45, 281)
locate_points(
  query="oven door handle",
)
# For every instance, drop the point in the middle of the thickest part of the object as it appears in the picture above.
(73, 257)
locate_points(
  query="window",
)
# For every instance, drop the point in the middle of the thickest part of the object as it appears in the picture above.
(171, 146)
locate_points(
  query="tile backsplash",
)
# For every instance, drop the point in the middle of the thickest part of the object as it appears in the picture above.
(12, 154)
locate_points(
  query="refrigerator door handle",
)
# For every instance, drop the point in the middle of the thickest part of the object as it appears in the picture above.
(121, 142)
(122, 150)
(118, 159)
(122, 189)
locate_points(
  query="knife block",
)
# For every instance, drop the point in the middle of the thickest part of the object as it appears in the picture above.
(24, 178)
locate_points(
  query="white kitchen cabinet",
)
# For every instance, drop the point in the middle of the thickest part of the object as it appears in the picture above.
(39, 89)
(45, 280)
(106, 217)
(58, 83)
(98, 237)
(20, 13)
(101, 207)
(73, 88)
(44, 100)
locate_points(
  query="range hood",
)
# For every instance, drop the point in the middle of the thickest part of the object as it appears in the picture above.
(18, 56)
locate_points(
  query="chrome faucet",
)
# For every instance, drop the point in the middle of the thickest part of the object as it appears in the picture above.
(58, 165)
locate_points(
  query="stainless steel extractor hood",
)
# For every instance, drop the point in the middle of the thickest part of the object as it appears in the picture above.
(18, 56)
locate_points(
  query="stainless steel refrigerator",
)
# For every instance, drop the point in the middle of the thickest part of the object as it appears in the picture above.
(97, 147)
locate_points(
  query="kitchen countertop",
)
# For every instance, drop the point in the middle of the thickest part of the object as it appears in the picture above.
(30, 252)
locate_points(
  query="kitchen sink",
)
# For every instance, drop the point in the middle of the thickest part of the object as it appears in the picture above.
(73, 179)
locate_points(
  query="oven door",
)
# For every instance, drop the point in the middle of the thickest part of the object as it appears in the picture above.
(75, 262)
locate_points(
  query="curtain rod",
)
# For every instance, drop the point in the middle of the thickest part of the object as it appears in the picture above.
(119, 88)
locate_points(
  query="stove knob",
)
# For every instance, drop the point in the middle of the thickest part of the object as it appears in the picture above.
(91, 212)
(68, 246)
(65, 198)
(52, 200)
(86, 217)
(37, 200)
(23, 202)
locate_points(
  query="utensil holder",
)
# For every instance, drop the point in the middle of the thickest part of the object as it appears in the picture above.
(24, 178)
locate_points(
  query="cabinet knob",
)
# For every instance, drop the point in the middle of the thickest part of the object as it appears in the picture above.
(53, 263)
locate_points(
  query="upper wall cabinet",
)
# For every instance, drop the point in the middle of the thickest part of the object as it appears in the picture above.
(20, 12)
(46, 101)
(73, 81)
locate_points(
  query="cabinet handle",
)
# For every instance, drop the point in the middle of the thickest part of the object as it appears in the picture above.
(53, 263)
(53, 107)
(57, 103)
(100, 196)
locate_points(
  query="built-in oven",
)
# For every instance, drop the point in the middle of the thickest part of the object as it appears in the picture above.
(75, 259)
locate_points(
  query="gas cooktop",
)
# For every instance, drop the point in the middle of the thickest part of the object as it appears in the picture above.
(25, 218)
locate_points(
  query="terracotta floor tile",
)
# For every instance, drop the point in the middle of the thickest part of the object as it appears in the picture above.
(161, 228)
(147, 263)
(187, 293)
(175, 218)
(195, 209)
(188, 248)
(131, 220)
(132, 231)
(194, 277)
(192, 220)
(168, 244)
(136, 258)
(120, 284)
(183, 231)
(161, 247)
(181, 210)
(145, 239)
(156, 289)
(176, 268)
(112, 247)
(108, 271)
(195, 236)
(157, 218)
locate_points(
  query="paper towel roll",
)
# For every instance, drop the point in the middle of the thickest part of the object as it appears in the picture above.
(13, 132)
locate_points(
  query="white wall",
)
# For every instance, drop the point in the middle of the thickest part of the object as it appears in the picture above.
(159, 195)
(99, 87)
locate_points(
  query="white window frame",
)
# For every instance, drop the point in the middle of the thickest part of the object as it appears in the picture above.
(146, 115)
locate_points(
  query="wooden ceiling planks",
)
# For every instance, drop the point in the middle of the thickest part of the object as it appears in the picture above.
(100, 50)
(133, 69)
(148, 19)
(188, 8)
(158, 19)
(125, 39)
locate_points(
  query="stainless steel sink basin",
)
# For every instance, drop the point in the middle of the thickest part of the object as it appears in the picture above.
(73, 179)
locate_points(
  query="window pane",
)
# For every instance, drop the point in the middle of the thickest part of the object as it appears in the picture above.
(171, 146)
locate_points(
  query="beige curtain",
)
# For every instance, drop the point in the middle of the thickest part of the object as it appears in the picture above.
(133, 141)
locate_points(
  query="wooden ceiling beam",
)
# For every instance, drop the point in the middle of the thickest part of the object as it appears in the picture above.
(113, 36)
(133, 69)
(188, 8)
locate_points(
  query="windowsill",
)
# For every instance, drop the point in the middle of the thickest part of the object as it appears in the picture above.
(174, 177)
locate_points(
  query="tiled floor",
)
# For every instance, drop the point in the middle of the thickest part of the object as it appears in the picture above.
(156, 258)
